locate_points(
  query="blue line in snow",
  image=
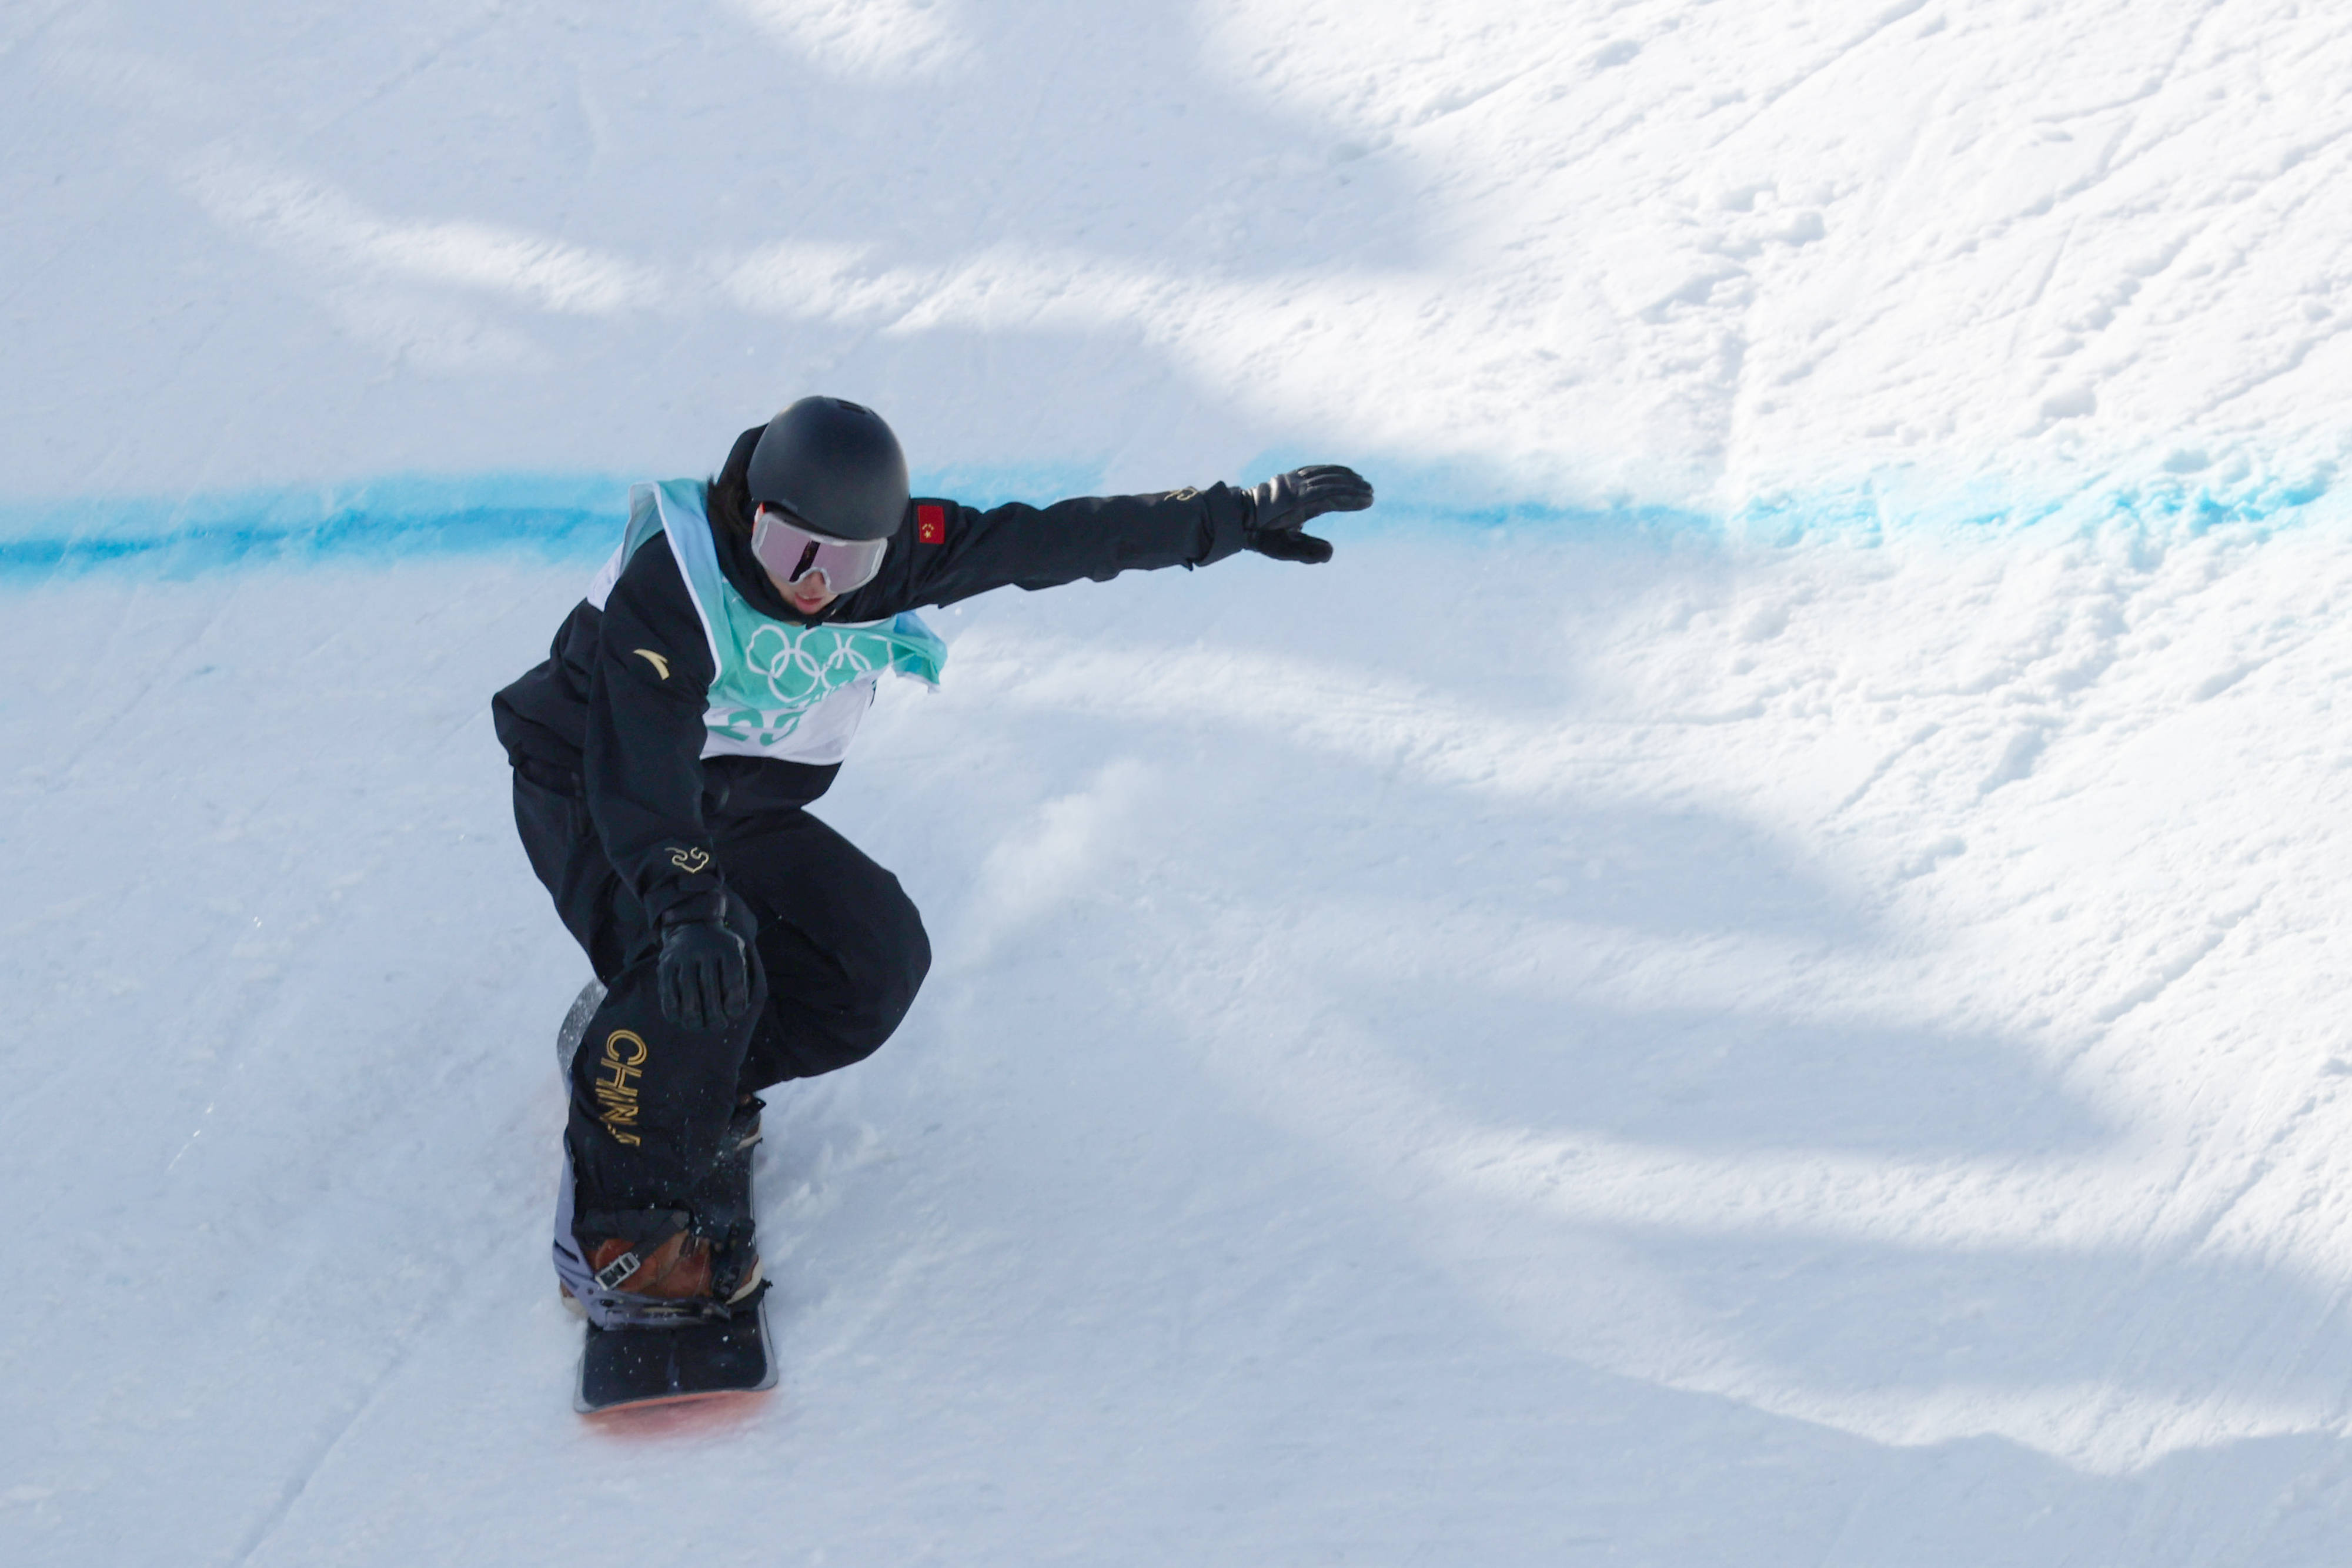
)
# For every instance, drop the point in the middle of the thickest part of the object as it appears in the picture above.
(579, 517)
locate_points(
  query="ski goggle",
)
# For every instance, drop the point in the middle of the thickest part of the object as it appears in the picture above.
(791, 551)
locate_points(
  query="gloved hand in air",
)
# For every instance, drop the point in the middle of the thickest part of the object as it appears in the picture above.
(1285, 502)
(704, 980)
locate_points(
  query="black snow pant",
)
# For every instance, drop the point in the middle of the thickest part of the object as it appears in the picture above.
(837, 953)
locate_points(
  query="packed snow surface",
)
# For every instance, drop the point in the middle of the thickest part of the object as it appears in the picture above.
(1753, 975)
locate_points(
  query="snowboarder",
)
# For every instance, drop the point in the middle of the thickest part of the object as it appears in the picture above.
(693, 705)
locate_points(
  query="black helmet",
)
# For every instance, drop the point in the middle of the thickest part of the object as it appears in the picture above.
(834, 465)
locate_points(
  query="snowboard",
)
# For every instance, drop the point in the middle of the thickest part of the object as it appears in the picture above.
(621, 1368)
(581, 1013)
(624, 1367)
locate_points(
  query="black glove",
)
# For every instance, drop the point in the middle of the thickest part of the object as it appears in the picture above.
(1285, 502)
(704, 980)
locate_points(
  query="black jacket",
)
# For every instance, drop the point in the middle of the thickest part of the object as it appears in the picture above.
(600, 719)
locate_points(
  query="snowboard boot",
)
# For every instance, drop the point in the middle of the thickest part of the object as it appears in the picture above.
(651, 1267)
(722, 1200)
(723, 1214)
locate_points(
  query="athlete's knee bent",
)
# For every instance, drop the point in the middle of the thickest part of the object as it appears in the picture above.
(889, 974)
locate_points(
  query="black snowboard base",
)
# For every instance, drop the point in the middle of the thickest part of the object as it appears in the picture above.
(624, 1367)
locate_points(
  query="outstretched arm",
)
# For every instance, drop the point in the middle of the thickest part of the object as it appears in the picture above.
(947, 552)
(953, 552)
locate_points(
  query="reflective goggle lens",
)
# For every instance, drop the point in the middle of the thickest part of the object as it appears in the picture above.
(790, 552)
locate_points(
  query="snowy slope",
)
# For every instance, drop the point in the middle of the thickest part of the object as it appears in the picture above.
(1679, 251)
(1772, 997)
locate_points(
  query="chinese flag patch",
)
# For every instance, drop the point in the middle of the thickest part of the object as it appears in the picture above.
(931, 523)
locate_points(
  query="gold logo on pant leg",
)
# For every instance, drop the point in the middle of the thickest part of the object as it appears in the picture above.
(624, 1057)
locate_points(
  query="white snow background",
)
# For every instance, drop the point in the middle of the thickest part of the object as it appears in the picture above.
(1752, 975)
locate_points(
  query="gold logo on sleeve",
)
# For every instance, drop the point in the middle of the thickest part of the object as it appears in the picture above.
(660, 665)
(690, 861)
